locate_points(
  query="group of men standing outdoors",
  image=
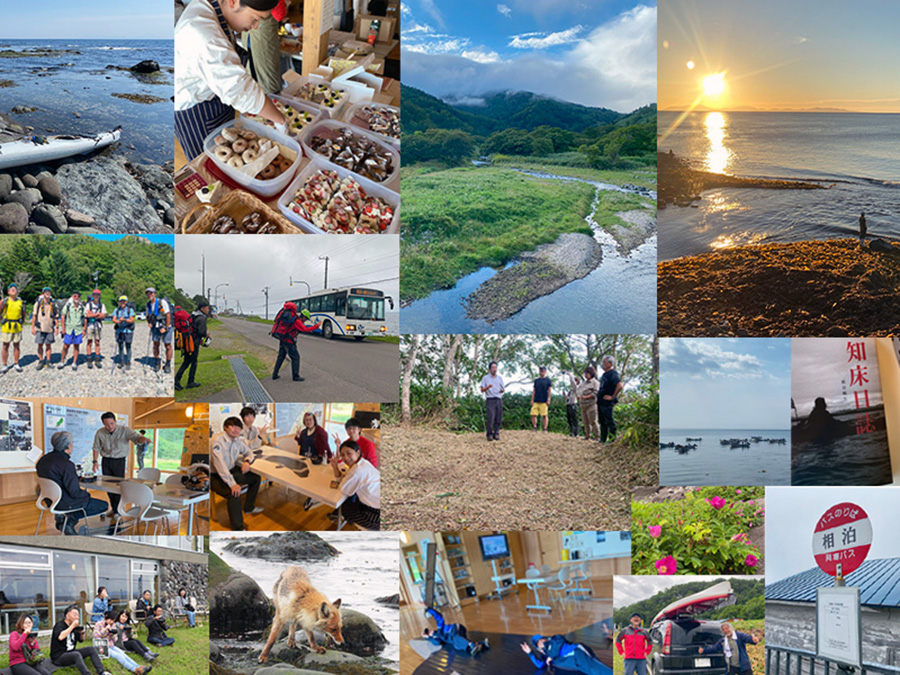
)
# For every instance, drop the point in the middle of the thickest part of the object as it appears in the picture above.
(595, 397)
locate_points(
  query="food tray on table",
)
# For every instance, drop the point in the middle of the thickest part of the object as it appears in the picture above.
(334, 130)
(289, 149)
(357, 115)
(305, 116)
(236, 205)
(328, 98)
(371, 188)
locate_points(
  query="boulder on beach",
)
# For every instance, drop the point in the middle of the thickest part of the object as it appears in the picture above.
(286, 546)
(389, 600)
(50, 216)
(49, 187)
(146, 66)
(237, 604)
(9, 130)
(285, 669)
(22, 109)
(362, 636)
(29, 181)
(13, 219)
(27, 198)
(6, 184)
(78, 219)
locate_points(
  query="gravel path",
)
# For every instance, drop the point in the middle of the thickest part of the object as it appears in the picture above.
(107, 381)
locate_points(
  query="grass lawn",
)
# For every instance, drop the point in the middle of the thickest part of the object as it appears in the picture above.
(643, 177)
(188, 656)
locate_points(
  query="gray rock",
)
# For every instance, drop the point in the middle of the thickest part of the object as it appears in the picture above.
(285, 669)
(13, 219)
(329, 658)
(49, 187)
(147, 66)
(238, 607)
(881, 245)
(362, 636)
(83, 230)
(22, 109)
(27, 197)
(163, 205)
(157, 183)
(18, 184)
(389, 600)
(78, 219)
(169, 216)
(50, 216)
(29, 181)
(286, 546)
(6, 184)
(37, 229)
(101, 188)
(44, 174)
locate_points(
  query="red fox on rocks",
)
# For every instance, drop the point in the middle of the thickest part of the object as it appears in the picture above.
(297, 602)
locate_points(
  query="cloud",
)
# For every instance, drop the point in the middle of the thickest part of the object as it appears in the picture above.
(431, 10)
(405, 10)
(473, 101)
(703, 358)
(481, 55)
(505, 10)
(545, 40)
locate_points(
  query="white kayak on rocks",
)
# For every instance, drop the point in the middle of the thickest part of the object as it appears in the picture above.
(37, 149)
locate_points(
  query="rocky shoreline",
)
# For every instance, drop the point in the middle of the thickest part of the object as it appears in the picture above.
(540, 272)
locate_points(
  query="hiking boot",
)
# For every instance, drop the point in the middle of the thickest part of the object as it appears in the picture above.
(90, 362)
(476, 648)
(178, 386)
(276, 376)
(298, 379)
(40, 365)
(193, 385)
(18, 368)
(120, 365)
(168, 367)
(128, 366)
(5, 369)
(74, 367)
(61, 366)
(256, 510)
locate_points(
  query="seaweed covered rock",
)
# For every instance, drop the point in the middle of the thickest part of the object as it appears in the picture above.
(286, 546)
(237, 604)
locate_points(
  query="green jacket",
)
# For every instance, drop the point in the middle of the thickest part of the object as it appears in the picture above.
(73, 315)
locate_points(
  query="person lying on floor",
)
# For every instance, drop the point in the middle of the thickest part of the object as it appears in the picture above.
(558, 652)
(452, 635)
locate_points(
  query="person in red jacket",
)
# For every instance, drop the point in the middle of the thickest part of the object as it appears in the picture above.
(634, 645)
(354, 431)
(20, 637)
(288, 324)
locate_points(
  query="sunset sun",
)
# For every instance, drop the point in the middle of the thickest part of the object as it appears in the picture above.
(714, 85)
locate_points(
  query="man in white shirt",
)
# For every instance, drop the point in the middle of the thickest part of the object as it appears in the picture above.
(111, 449)
(254, 437)
(211, 82)
(492, 386)
(231, 463)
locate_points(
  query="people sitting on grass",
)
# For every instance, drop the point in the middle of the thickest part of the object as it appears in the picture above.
(157, 626)
(231, 459)
(183, 606)
(558, 652)
(101, 605)
(452, 635)
(23, 639)
(144, 607)
(361, 484)
(105, 629)
(63, 651)
(127, 639)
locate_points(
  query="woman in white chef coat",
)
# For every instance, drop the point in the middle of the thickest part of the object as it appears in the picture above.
(211, 82)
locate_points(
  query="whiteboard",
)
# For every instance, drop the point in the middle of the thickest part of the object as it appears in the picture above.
(16, 434)
(82, 423)
(597, 543)
(219, 412)
(838, 625)
(289, 416)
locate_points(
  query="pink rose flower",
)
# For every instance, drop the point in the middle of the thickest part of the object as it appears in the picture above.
(666, 565)
(655, 531)
(751, 560)
(716, 502)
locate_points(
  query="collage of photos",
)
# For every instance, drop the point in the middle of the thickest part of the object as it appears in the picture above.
(620, 329)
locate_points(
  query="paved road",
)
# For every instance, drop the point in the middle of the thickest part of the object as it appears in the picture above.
(334, 370)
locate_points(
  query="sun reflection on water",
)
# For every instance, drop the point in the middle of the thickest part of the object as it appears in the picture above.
(718, 156)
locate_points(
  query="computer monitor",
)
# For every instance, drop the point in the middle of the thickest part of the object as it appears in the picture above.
(493, 546)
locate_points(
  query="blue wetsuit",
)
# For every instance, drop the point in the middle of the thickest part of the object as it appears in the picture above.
(450, 634)
(566, 655)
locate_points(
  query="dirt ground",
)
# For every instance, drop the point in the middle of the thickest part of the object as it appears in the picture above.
(439, 480)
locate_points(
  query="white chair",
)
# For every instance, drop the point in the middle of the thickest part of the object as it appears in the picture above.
(579, 574)
(561, 586)
(137, 504)
(149, 473)
(52, 492)
(175, 481)
(199, 611)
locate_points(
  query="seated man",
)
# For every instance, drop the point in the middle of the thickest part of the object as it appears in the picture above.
(560, 653)
(66, 634)
(156, 624)
(452, 635)
(231, 459)
(57, 465)
(144, 607)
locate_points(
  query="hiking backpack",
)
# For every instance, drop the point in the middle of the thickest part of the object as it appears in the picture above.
(184, 329)
(284, 328)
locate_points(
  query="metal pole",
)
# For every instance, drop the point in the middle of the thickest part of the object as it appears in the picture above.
(325, 258)
(266, 291)
(203, 273)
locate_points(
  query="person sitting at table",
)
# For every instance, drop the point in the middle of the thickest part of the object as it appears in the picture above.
(313, 440)
(156, 624)
(354, 431)
(57, 465)
(21, 637)
(231, 460)
(66, 634)
(211, 82)
(101, 605)
(105, 629)
(254, 437)
(127, 639)
(183, 606)
(362, 486)
(144, 607)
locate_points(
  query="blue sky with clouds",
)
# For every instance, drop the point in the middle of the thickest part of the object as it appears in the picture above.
(593, 52)
(725, 383)
(97, 19)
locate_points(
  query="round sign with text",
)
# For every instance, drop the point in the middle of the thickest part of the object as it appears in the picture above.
(842, 537)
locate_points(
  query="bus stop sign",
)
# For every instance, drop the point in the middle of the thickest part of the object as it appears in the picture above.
(842, 539)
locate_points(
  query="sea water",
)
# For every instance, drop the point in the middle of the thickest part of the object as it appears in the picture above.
(853, 460)
(367, 568)
(60, 86)
(856, 155)
(715, 464)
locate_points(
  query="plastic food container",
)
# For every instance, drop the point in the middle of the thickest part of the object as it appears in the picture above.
(318, 164)
(291, 92)
(297, 135)
(332, 126)
(350, 113)
(265, 188)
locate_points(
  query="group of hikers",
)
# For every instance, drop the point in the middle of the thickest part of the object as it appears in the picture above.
(78, 322)
(110, 629)
(594, 397)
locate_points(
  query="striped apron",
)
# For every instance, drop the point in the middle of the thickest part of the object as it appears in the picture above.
(194, 124)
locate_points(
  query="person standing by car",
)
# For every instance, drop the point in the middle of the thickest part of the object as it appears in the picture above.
(734, 645)
(610, 388)
(540, 399)
(633, 643)
(492, 386)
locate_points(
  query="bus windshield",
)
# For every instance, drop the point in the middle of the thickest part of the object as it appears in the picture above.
(365, 308)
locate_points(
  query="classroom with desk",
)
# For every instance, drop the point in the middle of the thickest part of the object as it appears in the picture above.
(507, 587)
(48, 479)
(295, 486)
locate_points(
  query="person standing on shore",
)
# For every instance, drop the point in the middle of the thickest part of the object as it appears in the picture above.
(211, 82)
(12, 314)
(73, 325)
(587, 397)
(44, 326)
(123, 320)
(540, 399)
(734, 645)
(492, 387)
(571, 397)
(159, 316)
(95, 312)
(863, 229)
(607, 397)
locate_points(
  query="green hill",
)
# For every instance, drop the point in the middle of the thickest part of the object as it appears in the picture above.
(423, 111)
(524, 110)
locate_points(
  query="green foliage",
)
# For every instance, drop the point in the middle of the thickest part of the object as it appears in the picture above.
(706, 532)
(451, 147)
(749, 601)
(639, 420)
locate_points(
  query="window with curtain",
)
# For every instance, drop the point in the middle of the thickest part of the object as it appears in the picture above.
(73, 582)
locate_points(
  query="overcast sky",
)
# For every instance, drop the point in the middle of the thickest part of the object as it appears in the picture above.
(628, 590)
(594, 52)
(792, 513)
(725, 383)
(250, 263)
(824, 367)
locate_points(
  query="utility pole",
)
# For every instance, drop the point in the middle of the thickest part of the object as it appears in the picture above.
(203, 274)
(325, 258)
(266, 291)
